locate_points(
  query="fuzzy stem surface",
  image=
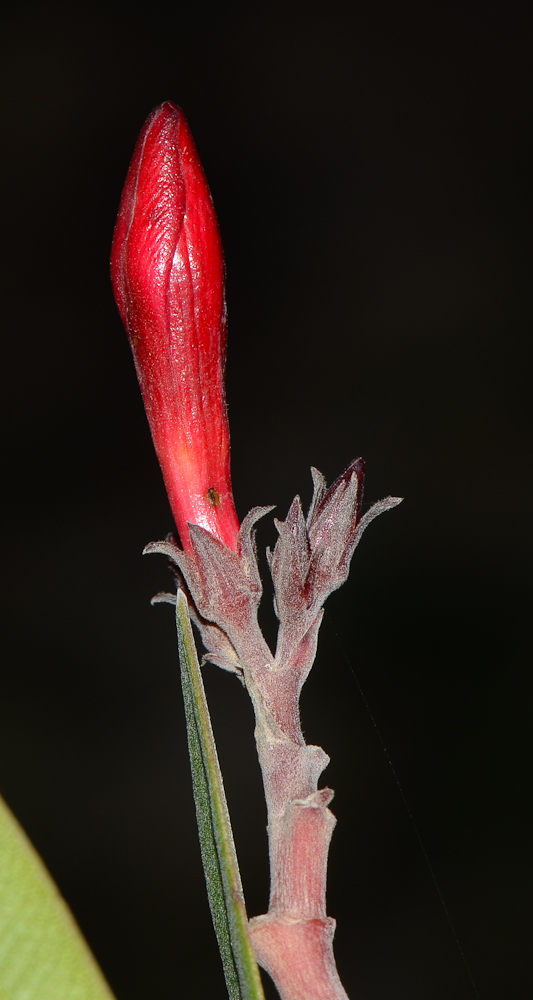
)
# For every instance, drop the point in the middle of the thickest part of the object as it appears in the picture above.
(294, 940)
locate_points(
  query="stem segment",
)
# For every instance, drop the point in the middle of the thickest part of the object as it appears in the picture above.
(294, 940)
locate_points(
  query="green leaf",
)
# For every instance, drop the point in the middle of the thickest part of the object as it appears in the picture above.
(219, 859)
(43, 955)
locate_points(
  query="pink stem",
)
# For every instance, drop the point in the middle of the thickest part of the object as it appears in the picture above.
(294, 940)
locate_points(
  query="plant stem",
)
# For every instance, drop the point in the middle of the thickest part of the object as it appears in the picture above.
(294, 940)
(311, 558)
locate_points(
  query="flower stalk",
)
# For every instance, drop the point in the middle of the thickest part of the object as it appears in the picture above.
(294, 940)
(168, 279)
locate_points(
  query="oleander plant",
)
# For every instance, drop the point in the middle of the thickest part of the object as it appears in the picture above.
(167, 271)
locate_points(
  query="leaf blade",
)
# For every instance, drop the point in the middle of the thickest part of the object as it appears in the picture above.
(43, 955)
(219, 858)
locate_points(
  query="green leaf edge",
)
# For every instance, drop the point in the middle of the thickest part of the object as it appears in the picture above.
(43, 955)
(219, 858)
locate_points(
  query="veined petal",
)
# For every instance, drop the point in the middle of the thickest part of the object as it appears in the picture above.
(168, 277)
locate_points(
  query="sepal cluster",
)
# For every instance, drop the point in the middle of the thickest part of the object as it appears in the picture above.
(310, 560)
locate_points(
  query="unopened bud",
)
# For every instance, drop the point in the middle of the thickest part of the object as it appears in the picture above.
(167, 271)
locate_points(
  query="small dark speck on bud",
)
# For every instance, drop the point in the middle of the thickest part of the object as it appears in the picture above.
(213, 496)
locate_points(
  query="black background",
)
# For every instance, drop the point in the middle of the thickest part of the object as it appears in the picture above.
(370, 169)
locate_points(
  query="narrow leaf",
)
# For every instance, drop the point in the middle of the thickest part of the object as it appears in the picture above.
(224, 888)
(43, 955)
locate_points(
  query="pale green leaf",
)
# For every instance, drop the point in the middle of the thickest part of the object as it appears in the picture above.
(43, 955)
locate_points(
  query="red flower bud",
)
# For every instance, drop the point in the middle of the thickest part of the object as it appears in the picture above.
(167, 271)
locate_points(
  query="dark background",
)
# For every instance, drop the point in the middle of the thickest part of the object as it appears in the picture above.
(370, 165)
